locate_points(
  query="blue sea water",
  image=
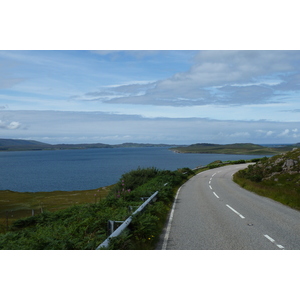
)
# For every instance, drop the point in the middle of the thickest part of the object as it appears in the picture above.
(68, 170)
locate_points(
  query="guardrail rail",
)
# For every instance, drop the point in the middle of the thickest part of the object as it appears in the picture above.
(125, 224)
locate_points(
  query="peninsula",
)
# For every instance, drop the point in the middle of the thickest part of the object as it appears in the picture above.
(239, 148)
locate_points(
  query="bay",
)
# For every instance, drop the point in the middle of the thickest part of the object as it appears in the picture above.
(69, 170)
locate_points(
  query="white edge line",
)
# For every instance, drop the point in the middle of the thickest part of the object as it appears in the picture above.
(165, 243)
(235, 211)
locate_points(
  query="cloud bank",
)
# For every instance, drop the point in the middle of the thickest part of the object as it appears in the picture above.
(216, 77)
(74, 127)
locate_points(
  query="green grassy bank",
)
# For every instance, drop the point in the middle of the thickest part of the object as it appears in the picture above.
(84, 226)
(277, 177)
(15, 205)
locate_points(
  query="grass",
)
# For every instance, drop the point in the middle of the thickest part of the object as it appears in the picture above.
(283, 191)
(273, 178)
(84, 226)
(16, 205)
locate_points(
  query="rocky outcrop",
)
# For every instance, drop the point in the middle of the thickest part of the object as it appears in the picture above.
(277, 166)
(289, 164)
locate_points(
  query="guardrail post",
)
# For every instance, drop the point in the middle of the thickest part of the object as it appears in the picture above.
(111, 225)
(125, 223)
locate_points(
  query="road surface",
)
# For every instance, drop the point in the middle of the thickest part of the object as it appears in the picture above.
(211, 212)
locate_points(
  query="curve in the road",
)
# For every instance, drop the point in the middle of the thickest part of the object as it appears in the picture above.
(210, 212)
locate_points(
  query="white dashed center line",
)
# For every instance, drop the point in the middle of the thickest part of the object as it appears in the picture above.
(235, 211)
(273, 241)
(216, 195)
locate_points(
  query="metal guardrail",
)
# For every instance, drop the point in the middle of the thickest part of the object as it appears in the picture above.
(125, 224)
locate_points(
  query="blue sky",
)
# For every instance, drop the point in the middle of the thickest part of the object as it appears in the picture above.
(168, 96)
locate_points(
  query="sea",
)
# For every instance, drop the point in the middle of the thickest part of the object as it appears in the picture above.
(71, 170)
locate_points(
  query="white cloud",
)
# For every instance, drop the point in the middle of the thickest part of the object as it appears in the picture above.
(9, 125)
(13, 125)
(265, 132)
(284, 133)
(217, 77)
(240, 134)
(223, 67)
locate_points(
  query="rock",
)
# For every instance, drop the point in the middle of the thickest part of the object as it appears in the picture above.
(289, 163)
(278, 160)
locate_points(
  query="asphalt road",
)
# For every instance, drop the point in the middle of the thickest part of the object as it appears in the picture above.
(211, 212)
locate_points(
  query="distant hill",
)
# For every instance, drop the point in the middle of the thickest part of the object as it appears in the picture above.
(13, 142)
(16, 144)
(238, 148)
(139, 145)
(22, 145)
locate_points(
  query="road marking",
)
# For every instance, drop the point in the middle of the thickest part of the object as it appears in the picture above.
(269, 238)
(216, 195)
(210, 182)
(235, 211)
(213, 174)
(210, 187)
(164, 246)
(273, 241)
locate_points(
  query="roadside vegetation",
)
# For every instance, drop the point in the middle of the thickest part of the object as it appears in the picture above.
(16, 205)
(277, 177)
(85, 226)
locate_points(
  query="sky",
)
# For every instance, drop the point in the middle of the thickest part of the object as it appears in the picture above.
(220, 72)
(150, 96)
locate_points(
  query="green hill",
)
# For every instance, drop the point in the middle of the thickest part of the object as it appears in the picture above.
(19, 142)
(238, 148)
